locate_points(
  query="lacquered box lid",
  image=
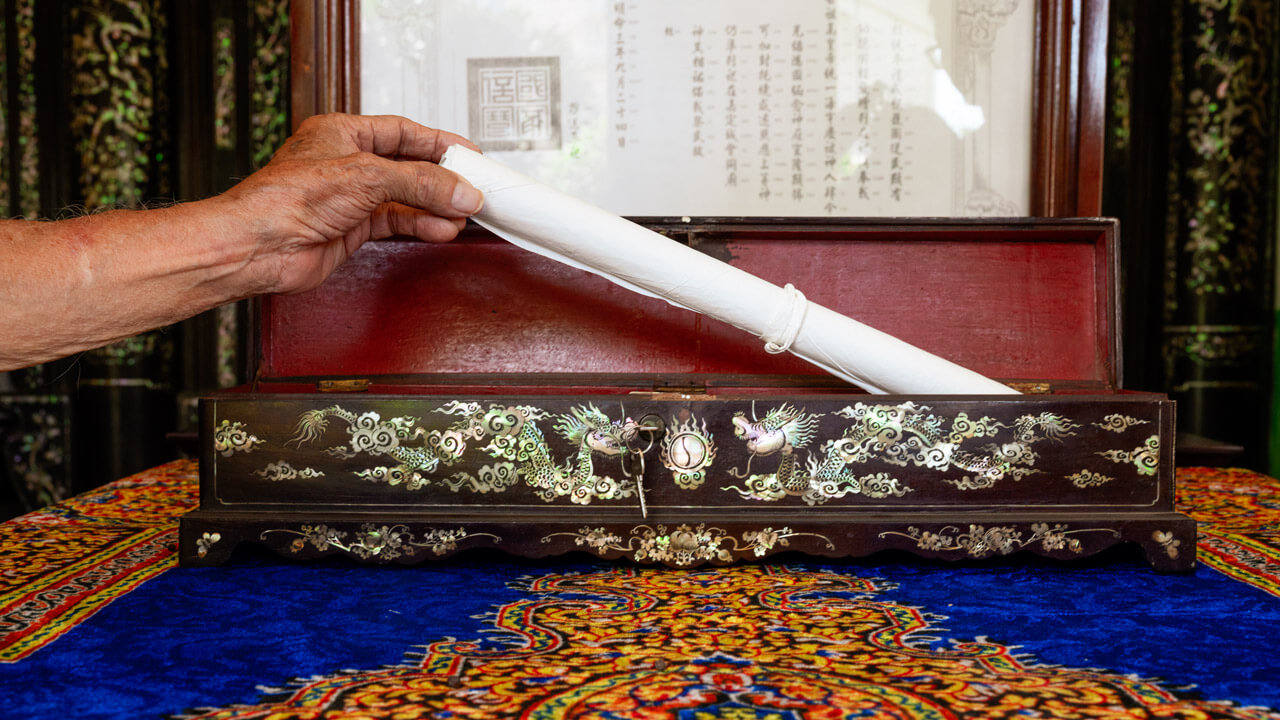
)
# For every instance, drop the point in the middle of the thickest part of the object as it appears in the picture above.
(1024, 300)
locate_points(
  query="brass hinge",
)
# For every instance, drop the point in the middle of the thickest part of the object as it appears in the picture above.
(680, 389)
(1032, 388)
(344, 386)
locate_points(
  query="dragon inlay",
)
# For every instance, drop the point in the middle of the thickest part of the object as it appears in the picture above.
(510, 435)
(903, 434)
(816, 456)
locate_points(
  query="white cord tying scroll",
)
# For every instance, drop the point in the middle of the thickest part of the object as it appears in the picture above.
(779, 341)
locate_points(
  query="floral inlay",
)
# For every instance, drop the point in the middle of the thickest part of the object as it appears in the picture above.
(377, 542)
(1167, 542)
(685, 545)
(980, 541)
(206, 541)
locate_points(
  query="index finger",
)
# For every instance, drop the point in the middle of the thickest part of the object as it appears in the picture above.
(395, 137)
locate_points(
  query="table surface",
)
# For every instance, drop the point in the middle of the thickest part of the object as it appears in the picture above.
(96, 616)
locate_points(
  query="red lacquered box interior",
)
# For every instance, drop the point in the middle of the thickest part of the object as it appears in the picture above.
(1022, 300)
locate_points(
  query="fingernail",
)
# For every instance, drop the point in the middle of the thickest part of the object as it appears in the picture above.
(466, 199)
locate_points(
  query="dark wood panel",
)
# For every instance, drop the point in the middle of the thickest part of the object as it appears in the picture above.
(1071, 61)
(325, 57)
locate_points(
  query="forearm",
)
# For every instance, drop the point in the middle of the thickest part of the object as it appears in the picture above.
(77, 284)
(339, 181)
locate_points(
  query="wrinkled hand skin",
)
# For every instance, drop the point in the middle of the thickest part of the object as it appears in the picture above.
(342, 180)
(338, 182)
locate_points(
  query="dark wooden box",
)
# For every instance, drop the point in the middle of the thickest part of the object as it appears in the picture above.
(435, 398)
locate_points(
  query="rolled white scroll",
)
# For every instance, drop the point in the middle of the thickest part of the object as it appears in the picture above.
(544, 220)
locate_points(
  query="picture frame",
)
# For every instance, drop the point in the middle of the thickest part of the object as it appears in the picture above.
(1067, 98)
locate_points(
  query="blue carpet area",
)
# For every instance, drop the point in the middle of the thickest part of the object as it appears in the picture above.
(215, 636)
(1200, 629)
(212, 636)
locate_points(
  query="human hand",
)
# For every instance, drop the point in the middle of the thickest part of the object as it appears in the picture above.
(339, 181)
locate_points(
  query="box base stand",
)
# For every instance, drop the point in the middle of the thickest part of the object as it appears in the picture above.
(686, 539)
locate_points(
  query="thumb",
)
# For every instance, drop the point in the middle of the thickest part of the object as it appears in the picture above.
(428, 186)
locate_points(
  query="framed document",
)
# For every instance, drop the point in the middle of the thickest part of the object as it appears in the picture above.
(740, 107)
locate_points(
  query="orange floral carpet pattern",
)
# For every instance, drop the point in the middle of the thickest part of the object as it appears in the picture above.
(1238, 523)
(60, 565)
(743, 642)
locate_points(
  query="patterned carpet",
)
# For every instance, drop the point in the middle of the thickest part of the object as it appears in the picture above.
(60, 565)
(95, 621)
(1238, 516)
